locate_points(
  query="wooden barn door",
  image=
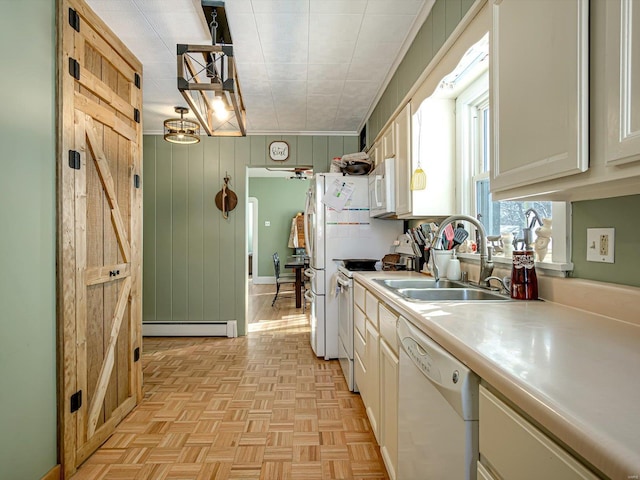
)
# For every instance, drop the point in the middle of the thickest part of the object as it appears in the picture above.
(100, 222)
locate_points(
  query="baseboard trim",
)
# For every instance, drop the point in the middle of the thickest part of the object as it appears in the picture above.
(53, 474)
(263, 280)
(190, 329)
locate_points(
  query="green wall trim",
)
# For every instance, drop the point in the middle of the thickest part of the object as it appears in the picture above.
(610, 212)
(194, 261)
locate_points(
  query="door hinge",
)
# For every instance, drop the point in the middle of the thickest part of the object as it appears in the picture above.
(136, 115)
(74, 68)
(136, 180)
(76, 401)
(136, 354)
(74, 159)
(74, 19)
(136, 80)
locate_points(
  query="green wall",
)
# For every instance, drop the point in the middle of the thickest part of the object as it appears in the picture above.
(279, 199)
(619, 213)
(441, 22)
(194, 261)
(27, 244)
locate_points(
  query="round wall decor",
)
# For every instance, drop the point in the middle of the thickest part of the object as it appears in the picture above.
(278, 151)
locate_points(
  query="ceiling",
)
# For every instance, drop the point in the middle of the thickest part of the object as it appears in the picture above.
(304, 66)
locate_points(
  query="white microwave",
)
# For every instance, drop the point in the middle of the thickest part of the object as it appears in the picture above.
(382, 199)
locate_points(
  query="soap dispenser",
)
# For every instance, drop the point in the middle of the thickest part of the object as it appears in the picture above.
(453, 269)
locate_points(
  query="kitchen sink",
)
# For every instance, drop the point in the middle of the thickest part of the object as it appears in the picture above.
(419, 283)
(449, 294)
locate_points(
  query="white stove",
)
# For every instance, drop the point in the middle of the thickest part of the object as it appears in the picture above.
(345, 315)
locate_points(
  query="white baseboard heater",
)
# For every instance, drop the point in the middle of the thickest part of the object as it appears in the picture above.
(190, 329)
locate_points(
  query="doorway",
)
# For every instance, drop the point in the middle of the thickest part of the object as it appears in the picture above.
(274, 197)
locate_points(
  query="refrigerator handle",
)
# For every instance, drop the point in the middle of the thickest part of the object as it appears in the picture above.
(307, 219)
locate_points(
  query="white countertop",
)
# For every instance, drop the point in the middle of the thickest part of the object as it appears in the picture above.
(575, 373)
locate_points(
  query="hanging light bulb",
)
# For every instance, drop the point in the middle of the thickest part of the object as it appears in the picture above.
(220, 109)
(181, 130)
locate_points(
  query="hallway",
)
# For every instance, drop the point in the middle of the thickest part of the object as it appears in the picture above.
(255, 407)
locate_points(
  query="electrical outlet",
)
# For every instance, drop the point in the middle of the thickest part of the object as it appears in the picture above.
(604, 245)
(600, 245)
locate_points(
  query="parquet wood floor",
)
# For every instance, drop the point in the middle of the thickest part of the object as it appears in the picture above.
(258, 407)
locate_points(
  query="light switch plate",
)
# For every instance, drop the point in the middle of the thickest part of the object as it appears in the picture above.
(600, 245)
(267, 223)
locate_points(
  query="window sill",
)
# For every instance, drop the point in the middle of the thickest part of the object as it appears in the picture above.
(549, 268)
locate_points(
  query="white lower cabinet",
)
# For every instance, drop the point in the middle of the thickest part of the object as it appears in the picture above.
(371, 397)
(376, 373)
(389, 408)
(513, 448)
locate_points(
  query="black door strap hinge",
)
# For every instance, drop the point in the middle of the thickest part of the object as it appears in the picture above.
(74, 68)
(136, 180)
(136, 115)
(136, 354)
(76, 401)
(74, 159)
(74, 19)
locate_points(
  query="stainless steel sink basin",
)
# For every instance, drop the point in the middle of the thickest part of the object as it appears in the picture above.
(420, 283)
(449, 294)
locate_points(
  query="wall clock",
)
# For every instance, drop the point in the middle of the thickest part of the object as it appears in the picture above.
(278, 151)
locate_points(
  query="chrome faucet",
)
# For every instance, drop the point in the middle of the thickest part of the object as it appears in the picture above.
(486, 265)
(504, 283)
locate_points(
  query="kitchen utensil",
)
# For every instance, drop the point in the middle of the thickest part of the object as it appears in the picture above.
(448, 235)
(460, 235)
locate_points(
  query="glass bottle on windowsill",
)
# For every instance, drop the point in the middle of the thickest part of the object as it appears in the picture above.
(524, 281)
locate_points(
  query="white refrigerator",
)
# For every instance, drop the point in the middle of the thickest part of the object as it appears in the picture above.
(344, 232)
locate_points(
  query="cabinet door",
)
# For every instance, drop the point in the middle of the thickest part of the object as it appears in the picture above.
(372, 397)
(623, 82)
(389, 408)
(516, 449)
(539, 91)
(359, 367)
(402, 126)
(388, 143)
(378, 157)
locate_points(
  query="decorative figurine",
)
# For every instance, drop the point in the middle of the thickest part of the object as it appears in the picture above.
(543, 237)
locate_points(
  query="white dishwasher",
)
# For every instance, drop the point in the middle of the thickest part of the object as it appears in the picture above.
(437, 411)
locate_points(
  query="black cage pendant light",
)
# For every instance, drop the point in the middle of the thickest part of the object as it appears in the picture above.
(181, 130)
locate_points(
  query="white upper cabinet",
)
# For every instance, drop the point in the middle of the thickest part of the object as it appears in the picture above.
(539, 91)
(623, 81)
(402, 132)
(388, 144)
